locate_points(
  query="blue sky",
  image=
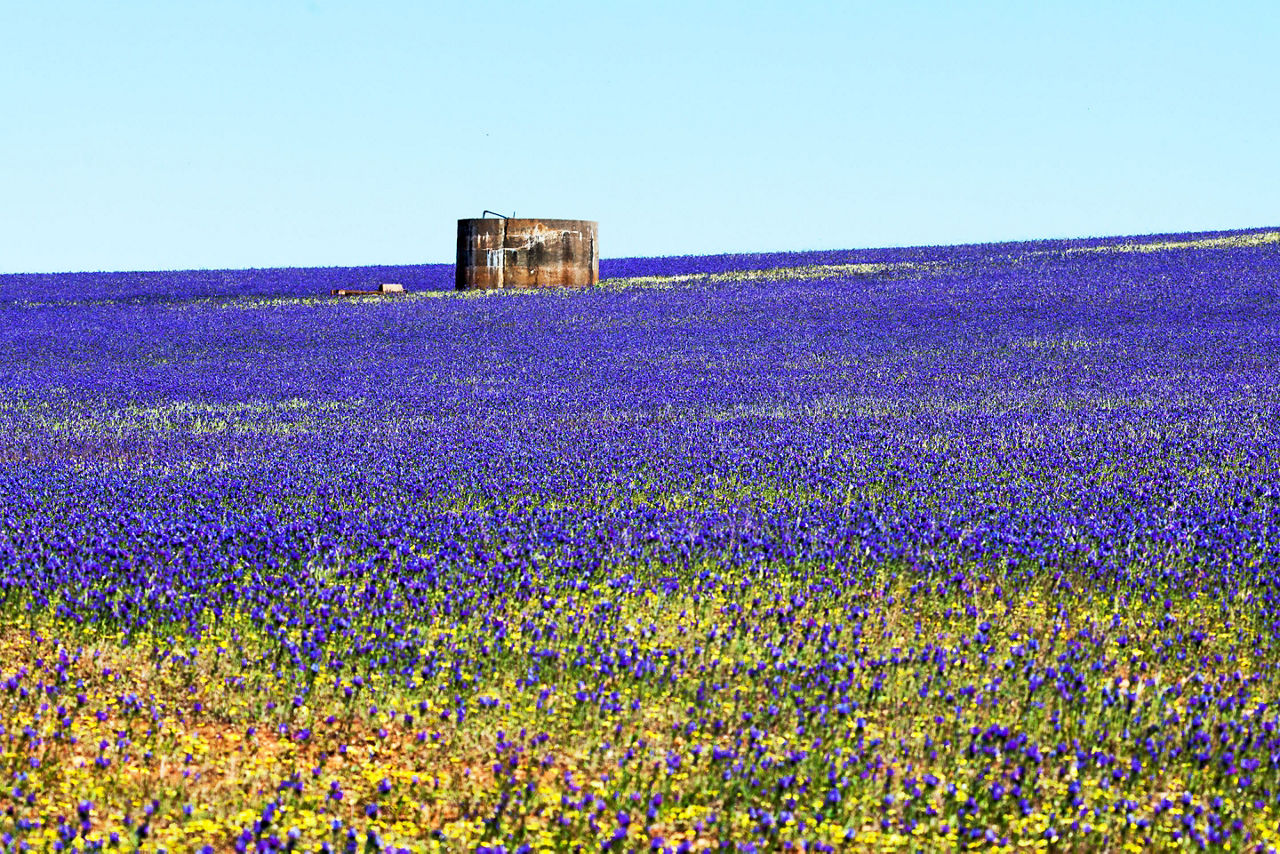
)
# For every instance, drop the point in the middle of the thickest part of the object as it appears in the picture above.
(167, 135)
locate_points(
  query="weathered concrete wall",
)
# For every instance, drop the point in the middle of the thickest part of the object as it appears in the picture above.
(527, 253)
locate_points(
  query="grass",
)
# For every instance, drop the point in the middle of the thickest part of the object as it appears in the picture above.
(206, 737)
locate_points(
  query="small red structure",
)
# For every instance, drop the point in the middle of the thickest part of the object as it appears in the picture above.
(385, 288)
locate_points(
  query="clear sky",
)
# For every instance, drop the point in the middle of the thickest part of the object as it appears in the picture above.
(161, 135)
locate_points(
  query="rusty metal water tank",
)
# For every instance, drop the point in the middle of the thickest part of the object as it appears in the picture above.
(527, 253)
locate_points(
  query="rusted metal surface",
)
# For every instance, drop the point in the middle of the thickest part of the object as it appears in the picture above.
(480, 255)
(527, 253)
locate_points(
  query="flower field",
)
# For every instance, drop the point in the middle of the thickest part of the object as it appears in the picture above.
(913, 549)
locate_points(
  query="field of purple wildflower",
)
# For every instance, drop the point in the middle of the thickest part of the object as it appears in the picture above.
(917, 549)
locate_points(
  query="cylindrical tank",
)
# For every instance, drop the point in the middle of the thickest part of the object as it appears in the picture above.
(527, 253)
